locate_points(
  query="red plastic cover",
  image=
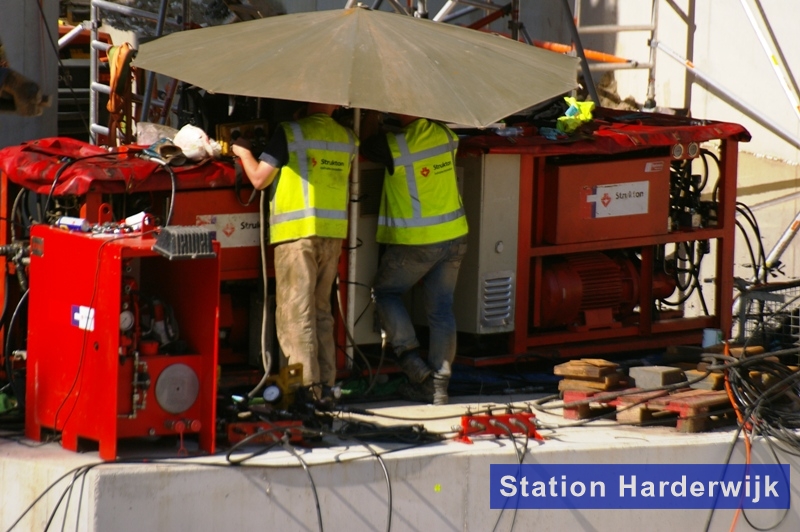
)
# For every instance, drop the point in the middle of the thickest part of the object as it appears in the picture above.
(81, 168)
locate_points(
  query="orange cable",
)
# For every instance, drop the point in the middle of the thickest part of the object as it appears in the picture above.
(746, 426)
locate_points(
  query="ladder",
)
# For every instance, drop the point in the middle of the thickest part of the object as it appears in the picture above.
(98, 7)
(650, 64)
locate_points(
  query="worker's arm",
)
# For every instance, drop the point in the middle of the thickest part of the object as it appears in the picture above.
(376, 149)
(261, 174)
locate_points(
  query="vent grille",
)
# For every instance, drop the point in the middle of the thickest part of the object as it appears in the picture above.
(497, 300)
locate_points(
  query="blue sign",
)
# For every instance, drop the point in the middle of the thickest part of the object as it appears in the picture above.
(639, 486)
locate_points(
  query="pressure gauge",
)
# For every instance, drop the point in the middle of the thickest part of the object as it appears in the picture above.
(125, 320)
(272, 394)
(677, 151)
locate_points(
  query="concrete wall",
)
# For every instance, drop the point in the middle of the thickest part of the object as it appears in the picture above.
(442, 487)
(29, 51)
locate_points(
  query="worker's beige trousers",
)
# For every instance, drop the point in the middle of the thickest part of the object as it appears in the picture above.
(304, 274)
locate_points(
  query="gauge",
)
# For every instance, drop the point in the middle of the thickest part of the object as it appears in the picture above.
(125, 320)
(272, 394)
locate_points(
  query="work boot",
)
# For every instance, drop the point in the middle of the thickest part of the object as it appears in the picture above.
(417, 392)
(413, 366)
(440, 383)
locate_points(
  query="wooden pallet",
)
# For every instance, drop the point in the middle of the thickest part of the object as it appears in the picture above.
(691, 409)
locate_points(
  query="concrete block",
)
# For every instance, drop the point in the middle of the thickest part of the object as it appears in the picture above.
(648, 377)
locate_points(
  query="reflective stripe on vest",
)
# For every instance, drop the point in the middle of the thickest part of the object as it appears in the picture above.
(413, 210)
(301, 146)
(407, 160)
(320, 221)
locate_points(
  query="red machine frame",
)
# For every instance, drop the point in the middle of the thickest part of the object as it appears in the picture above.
(611, 138)
(203, 189)
(87, 378)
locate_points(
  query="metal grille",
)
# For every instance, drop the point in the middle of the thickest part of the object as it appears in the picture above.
(497, 300)
(769, 316)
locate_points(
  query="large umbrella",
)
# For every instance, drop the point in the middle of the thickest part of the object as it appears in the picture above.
(366, 59)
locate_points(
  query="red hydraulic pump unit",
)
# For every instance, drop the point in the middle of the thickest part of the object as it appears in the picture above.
(122, 341)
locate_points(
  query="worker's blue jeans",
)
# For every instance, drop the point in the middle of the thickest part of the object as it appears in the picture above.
(401, 268)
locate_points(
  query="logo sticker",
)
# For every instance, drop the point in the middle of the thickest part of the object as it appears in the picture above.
(232, 230)
(82, 317)
(623, 199)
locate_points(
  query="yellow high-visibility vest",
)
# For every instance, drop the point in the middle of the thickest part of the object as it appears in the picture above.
(309, 196)
(420, 202)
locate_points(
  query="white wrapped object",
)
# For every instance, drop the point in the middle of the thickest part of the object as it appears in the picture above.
(148, 133)
(195, 144)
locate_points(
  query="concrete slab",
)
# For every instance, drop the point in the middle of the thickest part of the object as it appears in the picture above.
(441, 486)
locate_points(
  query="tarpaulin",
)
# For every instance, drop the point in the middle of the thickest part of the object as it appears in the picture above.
(78, 168)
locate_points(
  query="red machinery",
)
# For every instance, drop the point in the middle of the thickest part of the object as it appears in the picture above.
(583, 229)
(91, 372)
(595, 219)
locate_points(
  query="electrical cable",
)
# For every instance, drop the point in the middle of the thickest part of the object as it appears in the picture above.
(7, 350)
(286, 445)
(47, 490)
(63, 167)
(389, 496)
(349, 334)
(22, 192)
(694, 275)
(266, 355)
(173, 188)
(754, 404)
(65, 493)
(69, 498)
(64, 69)
(89, 318)
(520, 459)
(2, 320)
(247, 440)
(761, 263)
(753, 261)
(364, 412)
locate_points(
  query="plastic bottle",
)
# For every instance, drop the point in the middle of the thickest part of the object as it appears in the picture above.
(513, 131)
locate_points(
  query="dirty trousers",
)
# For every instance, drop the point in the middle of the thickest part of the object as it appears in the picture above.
(436, 265)
(304, 274)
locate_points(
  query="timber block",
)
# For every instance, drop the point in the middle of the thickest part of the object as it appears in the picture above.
(586, 368)
(712, 381)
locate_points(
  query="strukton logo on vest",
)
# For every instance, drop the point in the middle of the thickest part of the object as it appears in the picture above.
(425, 172)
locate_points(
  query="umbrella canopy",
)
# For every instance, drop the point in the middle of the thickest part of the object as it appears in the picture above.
(366, 59)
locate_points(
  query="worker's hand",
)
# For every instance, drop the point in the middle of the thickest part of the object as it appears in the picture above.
(241, 146)
(243, 142)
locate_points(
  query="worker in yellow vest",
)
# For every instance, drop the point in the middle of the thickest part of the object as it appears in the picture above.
(307, 163)
(422, 221)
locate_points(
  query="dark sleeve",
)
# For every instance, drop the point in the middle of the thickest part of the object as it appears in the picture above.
(376, 149)
(276, 153)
